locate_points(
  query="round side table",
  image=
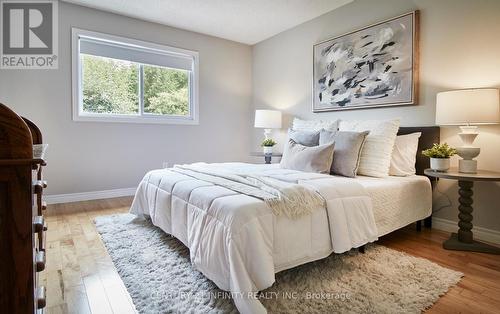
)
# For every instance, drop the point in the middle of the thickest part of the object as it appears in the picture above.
(463, 240)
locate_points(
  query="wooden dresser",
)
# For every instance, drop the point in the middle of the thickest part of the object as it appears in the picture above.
(22, 226)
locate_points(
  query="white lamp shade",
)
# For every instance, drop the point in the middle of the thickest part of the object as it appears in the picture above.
(268, 119)
(468, 106)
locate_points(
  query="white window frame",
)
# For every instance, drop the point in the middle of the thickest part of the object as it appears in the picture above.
(79, 115)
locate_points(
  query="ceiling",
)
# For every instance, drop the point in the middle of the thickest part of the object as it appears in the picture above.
(245, 21)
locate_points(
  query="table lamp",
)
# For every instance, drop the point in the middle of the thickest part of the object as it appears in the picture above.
(468, 108)
(267, 119)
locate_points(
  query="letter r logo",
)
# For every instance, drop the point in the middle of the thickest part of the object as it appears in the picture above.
(27, 28)
(29, 34)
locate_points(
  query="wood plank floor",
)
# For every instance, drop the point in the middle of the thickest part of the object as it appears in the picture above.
(80, 276)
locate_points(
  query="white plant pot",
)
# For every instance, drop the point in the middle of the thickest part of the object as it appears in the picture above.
(267, 149)
(440, 164)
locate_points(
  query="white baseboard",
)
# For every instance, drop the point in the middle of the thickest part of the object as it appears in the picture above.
(87, 196)
(480, 233)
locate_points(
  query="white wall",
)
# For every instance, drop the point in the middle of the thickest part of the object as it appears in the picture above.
(459, 48)
(85, 156)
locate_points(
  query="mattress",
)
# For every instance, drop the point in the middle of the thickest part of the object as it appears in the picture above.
(398, 201)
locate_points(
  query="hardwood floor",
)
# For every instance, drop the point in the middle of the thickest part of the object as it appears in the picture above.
(80, 276)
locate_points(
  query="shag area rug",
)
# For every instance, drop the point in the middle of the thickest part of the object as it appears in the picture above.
(158, 274)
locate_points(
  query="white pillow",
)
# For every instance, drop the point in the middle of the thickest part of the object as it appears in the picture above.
(315, 125)
(377, 151)
(404, 155)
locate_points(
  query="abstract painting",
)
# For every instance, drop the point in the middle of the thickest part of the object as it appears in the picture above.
(371, 67)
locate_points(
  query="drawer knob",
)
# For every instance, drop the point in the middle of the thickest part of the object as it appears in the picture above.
(39, 185)
(38, 223)
(40, 261)
(40, 297)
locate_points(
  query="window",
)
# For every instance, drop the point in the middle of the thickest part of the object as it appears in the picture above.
(123, 80)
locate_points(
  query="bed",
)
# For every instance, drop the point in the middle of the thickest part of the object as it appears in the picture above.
(239, 243)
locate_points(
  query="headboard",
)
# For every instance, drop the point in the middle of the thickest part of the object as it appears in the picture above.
(430, 135)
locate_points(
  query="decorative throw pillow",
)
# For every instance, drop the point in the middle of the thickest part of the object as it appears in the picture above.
(309, 159)
(347, 152)
(377, 151)
(306, 138)
(315, 125)
(404, 155)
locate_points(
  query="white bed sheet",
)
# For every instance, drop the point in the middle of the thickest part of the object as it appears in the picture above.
(398, 201)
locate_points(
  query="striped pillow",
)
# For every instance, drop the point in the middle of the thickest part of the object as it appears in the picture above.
(376, 154)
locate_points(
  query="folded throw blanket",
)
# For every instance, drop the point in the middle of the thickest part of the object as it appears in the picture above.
(293, 200)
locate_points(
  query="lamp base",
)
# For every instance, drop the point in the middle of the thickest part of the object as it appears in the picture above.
(467, 164)
(267, 133)
(468, 134)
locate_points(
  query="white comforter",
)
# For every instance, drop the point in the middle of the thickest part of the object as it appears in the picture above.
(236, 240)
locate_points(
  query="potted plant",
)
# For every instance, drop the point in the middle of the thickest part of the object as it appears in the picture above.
(440, 156)
(267, 145)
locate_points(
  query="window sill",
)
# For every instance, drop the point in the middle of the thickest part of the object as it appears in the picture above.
(136, 119)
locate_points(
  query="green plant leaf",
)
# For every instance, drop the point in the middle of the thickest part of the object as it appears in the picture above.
(439, 151)
(268, 142)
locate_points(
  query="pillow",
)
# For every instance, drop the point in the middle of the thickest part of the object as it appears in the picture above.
(377, 151)
(404, 155)
(309, 159)
(315, 125)
(348, 146)
(306, 138)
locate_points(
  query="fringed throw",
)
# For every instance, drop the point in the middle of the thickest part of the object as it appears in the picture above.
(292, 199)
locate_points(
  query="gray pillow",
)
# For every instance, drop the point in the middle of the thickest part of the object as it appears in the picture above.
(309, 159)
(306, 138)
(348, 146)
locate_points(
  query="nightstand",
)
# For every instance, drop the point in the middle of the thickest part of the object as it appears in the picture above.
(267, 157)
(463, 240)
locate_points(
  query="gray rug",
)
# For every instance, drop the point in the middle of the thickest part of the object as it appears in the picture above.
(158, 275)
